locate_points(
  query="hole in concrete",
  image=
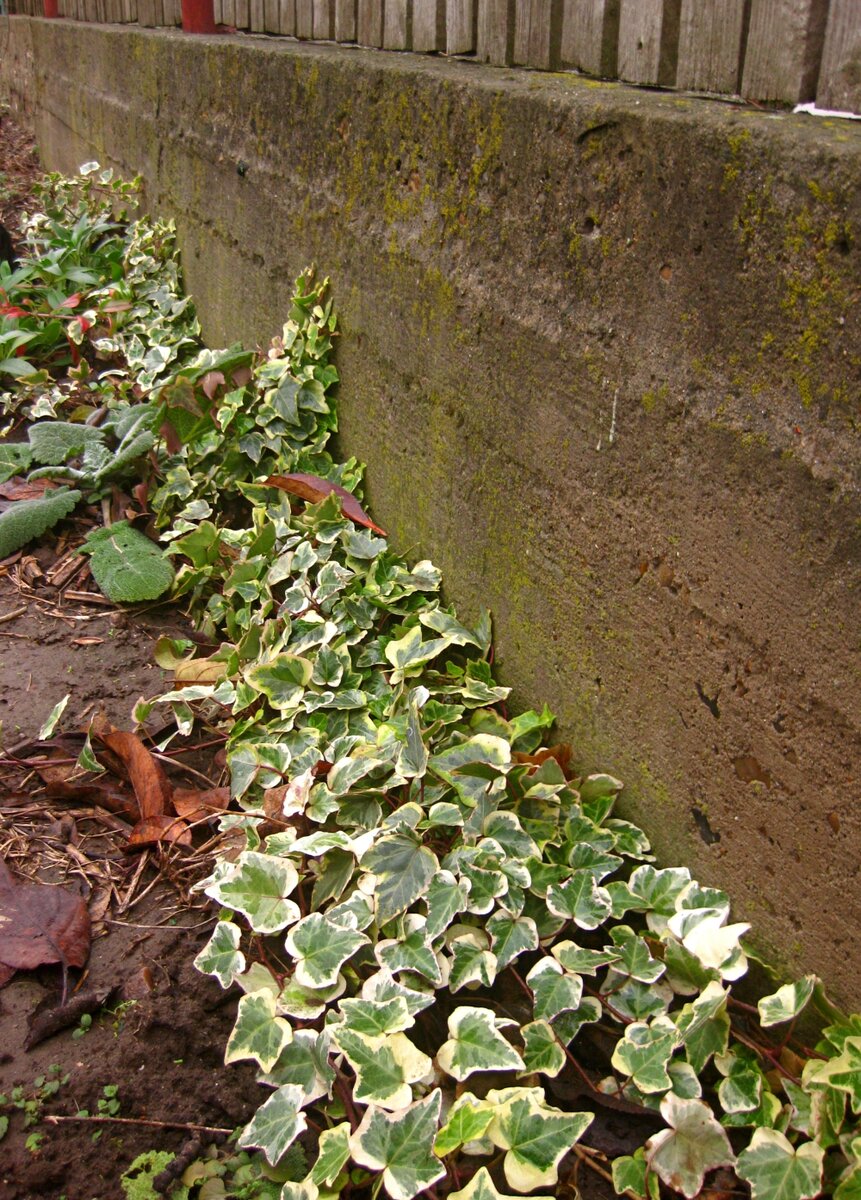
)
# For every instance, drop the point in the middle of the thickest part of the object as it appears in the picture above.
(666, 272)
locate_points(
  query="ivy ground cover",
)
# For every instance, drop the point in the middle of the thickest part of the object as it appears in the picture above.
(440, 928)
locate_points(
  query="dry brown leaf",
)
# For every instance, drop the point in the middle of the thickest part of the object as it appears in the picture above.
(315, 489)
(151, 786)
(21, 489)
(561, 752)
(40, 924)
(160, 828)
(105, 793)
(194, 805)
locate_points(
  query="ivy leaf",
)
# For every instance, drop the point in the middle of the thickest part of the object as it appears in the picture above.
(659, 889)
(413, 758)
(320, 949)
(471, 963)
(282, 680)
(29, 519)
(475, 1044)
(383, 986)
(694, 1144)
(409, 653)
(553, 989)
(775, 1170)
(332, 1154)
(631, 1177)
(580, 900)
(468, 1120)
(126, 565)
(258, 1033)
(276, 1124)
(541, 1049)
(404, 870)
(481, 1187)
(411, 953)
(742, 1087)
(705, 1026)
(510, 937)
(400, 1144)
(536, 1137)
(842, 1072)
(15, 458)
(568, 1024)
(634, 957)
(445, 898)
(787, 1002)
(385, 1067)
(257, 885)
(305, 1062)
(377, 1017)
(221, 955)
(582, 960)
(644, 1053)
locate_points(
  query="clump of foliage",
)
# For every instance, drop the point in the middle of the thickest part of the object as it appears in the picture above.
(441, 929)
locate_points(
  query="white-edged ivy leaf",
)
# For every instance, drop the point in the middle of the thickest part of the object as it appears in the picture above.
(409, 653)
(475, 1044)
(634, 957)
(126, 565)
(400, 1144)
(305, 1062)
(660, 890)
(631, 1177)
(282, 680)
(787, 1002)
(536, 1137)
(580, 900)
(413, 758)
(645, 1052)
(704, 1026)
(383, 986)
(258, 1033)
(483, 748)
(843, 1072)
(377, 1017)
(28, 519)
(333, 1152)
(470, 964)
(404, 870)
(568, 1024)
(385, 1066)
(257, 885)
(221, 955)
(481, 1187)
(849, 1187)
(53, 717)
(776, 1170)
(741, 1089)
(553, 989)
(467, 1121)
(510, 937)
(445, 898)
(693, 1145)
(411, 953)
(276, 1124)
(541, 1049)
(686, 975)
(320, 948)
(306, 1004)
(582, 960)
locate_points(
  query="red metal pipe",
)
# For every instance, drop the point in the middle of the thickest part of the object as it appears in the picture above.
(198, 16)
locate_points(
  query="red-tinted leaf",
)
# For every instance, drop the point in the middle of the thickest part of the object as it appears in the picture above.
(40, 924)
(211, 382)
(195, 805)
(241, 376)
(315, 489)
(160, 829)
(152, 787)
(72, 301)
(20, 489)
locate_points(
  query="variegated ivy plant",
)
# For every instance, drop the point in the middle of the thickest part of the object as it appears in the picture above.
(437, 928)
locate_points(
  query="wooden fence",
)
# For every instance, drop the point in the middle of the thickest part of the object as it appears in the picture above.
(769, 51)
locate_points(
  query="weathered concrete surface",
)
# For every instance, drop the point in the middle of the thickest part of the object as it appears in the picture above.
(601, 352)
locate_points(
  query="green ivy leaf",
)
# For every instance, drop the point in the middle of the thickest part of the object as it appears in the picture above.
(377, 1017)
(258, 1033)
(468, 1120)
(536, 1138)
(404, 869)
(320, 949)
(787, 1002)
(304, 1062)
(475, 1044)
(257, 885)
(221, 955)
(510, 937)
(400, 1144)
(126, 565)
(385, 1066)
(15, 458)
(694, 1144)
(645, 1051)
(276, 1124)
(843, 1072)
(553, 989)
(481, 1187)
(776, 1170)
(705, 1026)
(333, 1152)
(445, 898)
(541, 1049)
(631, 1176)
(580, 900)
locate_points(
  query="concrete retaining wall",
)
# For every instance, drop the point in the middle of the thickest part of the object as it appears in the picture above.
(601, 352)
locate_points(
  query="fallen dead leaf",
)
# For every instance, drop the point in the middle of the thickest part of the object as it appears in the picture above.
(194, 805)
(561, 752)
(160, 829)
(40, 924)
(315, 489)
(21, 489)
(151, 785)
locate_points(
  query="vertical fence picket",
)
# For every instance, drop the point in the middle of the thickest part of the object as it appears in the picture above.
(711, 40)
(369, 23)
(590, 35)
(538, 33)
(324, 20)
(649, 41)
(840, 75)
(784, 49)
(428, 25)
(345, 20)
(271, 17)
(459, 26)
(255, 16)
(397, 24)
(240, 14)
(495, 33)
(304, 19)
(287, 17)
